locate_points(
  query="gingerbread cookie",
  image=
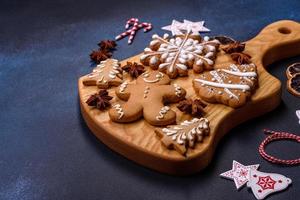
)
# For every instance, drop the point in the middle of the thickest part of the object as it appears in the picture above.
(174, 56)
(230, 86)
(146, 99)
(108, 73)
(179, 137)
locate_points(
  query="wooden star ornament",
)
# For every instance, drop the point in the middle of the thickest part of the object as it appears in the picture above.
(194, 27)
(239, 173)
(174, 28)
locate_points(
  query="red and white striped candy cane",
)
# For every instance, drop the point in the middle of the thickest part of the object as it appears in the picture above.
(131, 21)
(146, 26)
(135, 27)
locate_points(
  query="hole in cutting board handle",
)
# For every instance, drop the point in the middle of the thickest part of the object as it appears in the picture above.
(284, 30)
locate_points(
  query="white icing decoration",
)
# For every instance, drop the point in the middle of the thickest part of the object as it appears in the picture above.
(153, 60)
(123, 86)
(158, 78)
(188, 131)
(146, 91)
(177, 90)
(206, 38)
(243, 74)
(162, 112)
(218, 77)
(177, 52)
(224, 85)
(234, 68)
(119, 110)
(112, 74)
(145, 74)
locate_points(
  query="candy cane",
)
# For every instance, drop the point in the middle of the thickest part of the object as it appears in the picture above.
(130, 22)
(135, 26)
(146, 26)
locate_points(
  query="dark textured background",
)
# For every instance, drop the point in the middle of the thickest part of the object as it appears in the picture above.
(47, 151)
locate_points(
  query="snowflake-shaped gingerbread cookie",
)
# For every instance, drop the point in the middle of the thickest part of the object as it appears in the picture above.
(174, 56)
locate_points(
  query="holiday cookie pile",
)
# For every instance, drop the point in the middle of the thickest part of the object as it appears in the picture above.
(154, 87)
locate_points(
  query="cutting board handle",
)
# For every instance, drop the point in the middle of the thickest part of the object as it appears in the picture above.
(276, 41)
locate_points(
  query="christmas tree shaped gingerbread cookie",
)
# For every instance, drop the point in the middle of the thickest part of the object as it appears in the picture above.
(184, 135)
(108, 73)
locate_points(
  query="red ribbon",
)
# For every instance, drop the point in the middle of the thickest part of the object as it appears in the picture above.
(277, 136)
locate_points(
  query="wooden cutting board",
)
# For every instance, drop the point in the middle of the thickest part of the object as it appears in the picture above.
(138, 142)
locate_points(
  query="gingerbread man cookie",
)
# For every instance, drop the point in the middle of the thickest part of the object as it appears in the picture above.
(146, 99)
(108, 73)
(174, 56)
(230, 86)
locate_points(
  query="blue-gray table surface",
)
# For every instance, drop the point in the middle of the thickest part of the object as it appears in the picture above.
(47, 151)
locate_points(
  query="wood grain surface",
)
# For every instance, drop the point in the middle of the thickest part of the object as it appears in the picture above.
(138, 142)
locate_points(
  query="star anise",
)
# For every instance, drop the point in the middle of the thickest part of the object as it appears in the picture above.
(241, 58)
(107, 45)
(99, 55)
(234, 47)
(134, 69)
(99, 100)
(193, 107)
(224, 39)
(104, 52)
